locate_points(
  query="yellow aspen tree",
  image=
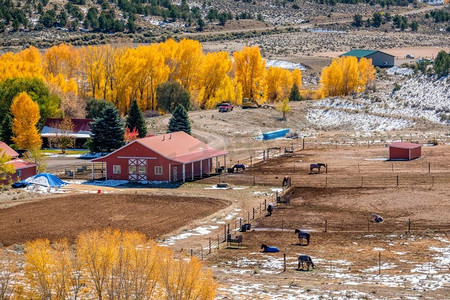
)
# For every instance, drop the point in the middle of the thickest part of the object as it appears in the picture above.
(26, 115)
(278, 84)
(332, 80)
(169, 49)
(297, 78)
(93, 69)
(6, 169)
(17, 65)
(188, 58)
(111, 57)
(212, 73)
(227, 91)
(283, 107)
(366, 73)
(61, 269)
(62, 59)
(349, 67)
(249, 69)
(38, 269)
(98, 252)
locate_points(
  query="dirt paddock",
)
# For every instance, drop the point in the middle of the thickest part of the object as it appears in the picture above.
(67, 216)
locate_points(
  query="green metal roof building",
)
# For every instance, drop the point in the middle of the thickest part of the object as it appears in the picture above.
(379, 59)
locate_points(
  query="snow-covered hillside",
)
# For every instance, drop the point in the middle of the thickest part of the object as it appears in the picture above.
(418, 98)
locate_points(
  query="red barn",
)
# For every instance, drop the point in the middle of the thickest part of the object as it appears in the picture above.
(24, 169)
(168, 157)
(404, 151)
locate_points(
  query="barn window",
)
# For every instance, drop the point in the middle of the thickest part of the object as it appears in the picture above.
(158, 170)
(117, 169)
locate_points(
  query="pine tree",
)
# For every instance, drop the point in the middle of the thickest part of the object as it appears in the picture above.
(6, 129)
(295, 93)
(136, 120)
(179, 120)
(107, 132)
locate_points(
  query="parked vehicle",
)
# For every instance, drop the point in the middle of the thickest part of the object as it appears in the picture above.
(249, 103)
(225, 107)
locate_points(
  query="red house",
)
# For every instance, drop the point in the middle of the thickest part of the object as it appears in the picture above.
(24, 169)
(169, 157)
(404, 151)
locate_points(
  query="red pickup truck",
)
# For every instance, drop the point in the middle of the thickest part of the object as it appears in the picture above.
(225, 107)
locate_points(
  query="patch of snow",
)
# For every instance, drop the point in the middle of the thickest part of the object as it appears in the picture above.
(284, 64)
(201, 230)
(378, 249)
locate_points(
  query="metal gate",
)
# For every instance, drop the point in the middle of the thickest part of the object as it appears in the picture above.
(137, 169)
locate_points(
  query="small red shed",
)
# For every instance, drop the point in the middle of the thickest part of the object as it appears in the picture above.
(404, 151)
(24, 169)
(169, 157)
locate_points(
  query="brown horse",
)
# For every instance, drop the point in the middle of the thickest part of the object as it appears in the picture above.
(316, 166)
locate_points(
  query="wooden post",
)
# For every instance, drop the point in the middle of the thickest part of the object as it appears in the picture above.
(326, 169)
(228, 231)
(225, 232)
(397, 180)
(251, 161)
(432, 181)
(248, 217)
(235, 225)
(284, 262)
(253, 213)
(218, 241)
(201, 249)
(429, 168)
(192, 252)
(326, 226)
(210, 245)
(260, 210)
(392, 167)
(379, 262)
(409, 225)
(265, 204)
(358, 169)
(303, 147)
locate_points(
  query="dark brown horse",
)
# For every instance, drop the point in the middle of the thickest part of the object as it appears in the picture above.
(316, 166)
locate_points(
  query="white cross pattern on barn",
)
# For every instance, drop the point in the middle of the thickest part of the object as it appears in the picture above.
(137, 169)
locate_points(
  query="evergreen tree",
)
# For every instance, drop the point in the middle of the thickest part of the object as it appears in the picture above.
(170, 94)
(295, 93)
(136, 120)
(107, 131)
(179, 120)
(442, 63)
(6, 129)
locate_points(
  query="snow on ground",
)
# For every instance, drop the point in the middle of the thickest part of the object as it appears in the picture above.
(284, 64)
(418, 98)
(201, 230)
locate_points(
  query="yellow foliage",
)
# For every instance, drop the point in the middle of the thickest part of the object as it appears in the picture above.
(26, 63)
(26, 115)
(249, 67)
(6, 169)
(279, 82)
(283, 107)
(188, 57)
(61, 59)
(346, 75)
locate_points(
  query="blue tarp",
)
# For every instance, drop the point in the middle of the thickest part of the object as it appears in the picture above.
(45, 179)
(275, 134)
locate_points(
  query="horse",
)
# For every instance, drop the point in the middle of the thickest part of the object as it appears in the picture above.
(286, 182)
(239, 168)
(302, 235)
(269, 248)
(316, 166)
(305, 259)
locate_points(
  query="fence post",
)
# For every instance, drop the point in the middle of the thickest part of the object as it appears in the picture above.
(228, 231)
(260, 208)
(251, 161)
(224, 232)
(362, 181)
(248, 217)
(201, 249)
(218, 241)
(379, 262)
(192, 252)
(284, 260)
(209, 245)
(409, 225)
(253, 213)
(240, 222)
(429, 168)
(392, 167)
(432, 181)
(397, 180)
(265, 204)
(358, 169)
(326, 226)
(303, 144)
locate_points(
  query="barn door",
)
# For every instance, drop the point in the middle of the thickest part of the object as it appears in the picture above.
(175, 174)
(137, 169)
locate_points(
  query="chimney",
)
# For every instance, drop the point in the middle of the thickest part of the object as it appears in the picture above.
(170, 136)
(164, 137)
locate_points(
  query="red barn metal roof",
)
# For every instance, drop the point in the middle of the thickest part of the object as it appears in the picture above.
(405, 145)
(21, 164)
(4, 148)
(177, 146)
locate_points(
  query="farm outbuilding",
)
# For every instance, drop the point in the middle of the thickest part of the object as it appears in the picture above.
(404, 151)
(24, 169)
(169, 157)
(81, 131)
(379, 59)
